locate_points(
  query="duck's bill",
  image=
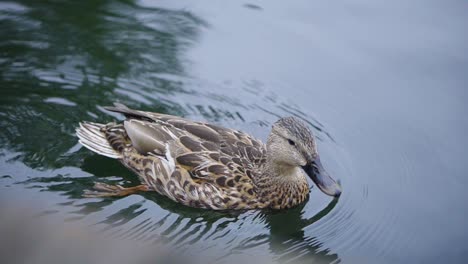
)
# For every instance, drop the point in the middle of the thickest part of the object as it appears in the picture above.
(321, 178)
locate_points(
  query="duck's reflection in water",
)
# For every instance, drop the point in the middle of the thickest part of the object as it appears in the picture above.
(287, 238)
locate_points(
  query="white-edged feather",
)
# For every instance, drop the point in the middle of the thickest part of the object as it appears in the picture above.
(91, 137)
(169, 132)
(170, 159)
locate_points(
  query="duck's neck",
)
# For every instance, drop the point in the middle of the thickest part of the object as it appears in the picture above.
(281, 185)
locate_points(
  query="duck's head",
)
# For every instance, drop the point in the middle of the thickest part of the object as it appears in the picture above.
(292, 144)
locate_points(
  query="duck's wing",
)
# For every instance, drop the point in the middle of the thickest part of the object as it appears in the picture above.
(153, 131)
(206, 161)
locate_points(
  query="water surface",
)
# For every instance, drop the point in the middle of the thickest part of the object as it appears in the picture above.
(382, 85)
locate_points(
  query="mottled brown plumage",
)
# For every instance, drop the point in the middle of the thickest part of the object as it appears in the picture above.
(207, 166)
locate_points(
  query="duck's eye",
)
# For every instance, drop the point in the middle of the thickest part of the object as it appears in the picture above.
(292, 143)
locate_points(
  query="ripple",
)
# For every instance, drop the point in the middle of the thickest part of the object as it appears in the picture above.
(60, 101)
(13, 7)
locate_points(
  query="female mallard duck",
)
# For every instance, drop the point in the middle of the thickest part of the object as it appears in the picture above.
(207, 166)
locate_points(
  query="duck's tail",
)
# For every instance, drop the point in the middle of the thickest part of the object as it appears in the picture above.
(92, 136)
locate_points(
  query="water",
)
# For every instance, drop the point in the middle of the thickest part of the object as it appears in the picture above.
(382, 84)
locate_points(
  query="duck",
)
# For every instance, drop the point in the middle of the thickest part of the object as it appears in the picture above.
(207, 166)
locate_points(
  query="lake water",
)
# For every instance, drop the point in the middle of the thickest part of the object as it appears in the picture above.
(383, 84)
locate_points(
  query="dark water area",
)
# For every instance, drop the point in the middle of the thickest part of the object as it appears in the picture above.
(383, 84)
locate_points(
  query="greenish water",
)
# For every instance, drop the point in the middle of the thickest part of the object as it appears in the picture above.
(383, 85)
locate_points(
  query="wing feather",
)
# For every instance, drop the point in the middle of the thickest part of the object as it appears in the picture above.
(206, 151)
